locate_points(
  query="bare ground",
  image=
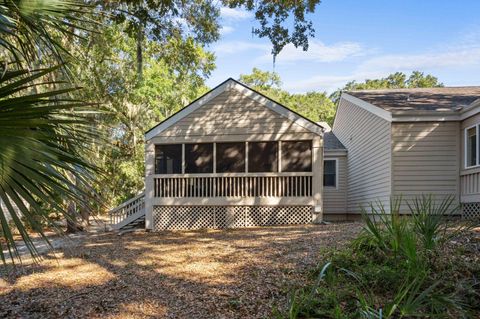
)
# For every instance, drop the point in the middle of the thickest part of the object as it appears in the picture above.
(241, 273)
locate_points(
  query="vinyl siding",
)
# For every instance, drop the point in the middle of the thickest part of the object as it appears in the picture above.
(425, 159)
(469, 177)
(367, 138)
(335, 198)
(232, 113)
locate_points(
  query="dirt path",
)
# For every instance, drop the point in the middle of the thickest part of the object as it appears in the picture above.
(202, 274)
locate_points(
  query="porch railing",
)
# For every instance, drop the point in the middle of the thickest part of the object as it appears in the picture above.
(234, 185)
(130, 207)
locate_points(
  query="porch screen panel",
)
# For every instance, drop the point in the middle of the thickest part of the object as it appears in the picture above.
(168, 159)
(199, 158)
(230, 157)
(297, 156)
(262, 157)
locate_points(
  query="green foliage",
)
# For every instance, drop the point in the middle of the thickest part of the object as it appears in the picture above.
(173, 75)
(314, 105)
(262, 80)
(27, 28)
(43, 137)
(396, 80)
(395, 268)
(276, 19)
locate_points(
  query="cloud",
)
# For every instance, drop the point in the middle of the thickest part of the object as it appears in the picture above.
(226, 30)
(451, 58)
(236, 47)
(319, 52)
(234, 14)
(464, 54)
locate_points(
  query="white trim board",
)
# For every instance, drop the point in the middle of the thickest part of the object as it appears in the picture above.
(228, 85)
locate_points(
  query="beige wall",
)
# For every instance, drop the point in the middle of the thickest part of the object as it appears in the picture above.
(232, 116)
(469, 178)
(367, 138)
(232, 113)
(335, 198)
(425, 159)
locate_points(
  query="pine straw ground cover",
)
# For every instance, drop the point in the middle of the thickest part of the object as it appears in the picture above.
(240, 273)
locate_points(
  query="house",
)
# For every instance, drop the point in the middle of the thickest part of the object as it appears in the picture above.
(235, 158)
(408, 142)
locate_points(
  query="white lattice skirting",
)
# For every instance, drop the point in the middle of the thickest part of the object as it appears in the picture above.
(471, 210)
(196, 217)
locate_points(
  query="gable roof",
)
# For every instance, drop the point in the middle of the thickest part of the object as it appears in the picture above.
(331, 142)
(435, 100)
(249, 92)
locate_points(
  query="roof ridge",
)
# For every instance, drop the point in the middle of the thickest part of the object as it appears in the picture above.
(417, 89)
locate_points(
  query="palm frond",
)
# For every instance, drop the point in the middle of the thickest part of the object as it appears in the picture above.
(27, 28)
(44, 139)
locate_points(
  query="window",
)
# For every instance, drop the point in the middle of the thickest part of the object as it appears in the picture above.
(168, 159)
(330, 173)
(471, 146)
(230, 157)
(199, 158)
(262, 157)
(297, 156)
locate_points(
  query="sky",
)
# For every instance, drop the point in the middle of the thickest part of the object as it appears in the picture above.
(358, 40)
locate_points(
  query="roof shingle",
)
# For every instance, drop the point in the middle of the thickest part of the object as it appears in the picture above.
(331, 142)
(443, 99)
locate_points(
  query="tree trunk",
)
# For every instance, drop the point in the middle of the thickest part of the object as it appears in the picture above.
(73, 226)
(139, 41)
(85, 214)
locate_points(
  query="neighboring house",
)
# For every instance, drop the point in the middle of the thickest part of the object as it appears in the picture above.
(235, 158)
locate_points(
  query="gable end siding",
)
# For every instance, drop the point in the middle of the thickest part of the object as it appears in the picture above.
(232, 113)
(367, 138)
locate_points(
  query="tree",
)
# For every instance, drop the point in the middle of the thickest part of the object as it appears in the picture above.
(261, 80)
(314, 105)
(174, 74)
(163, 20)
(396, 80)
(159, 66)
(275, 17)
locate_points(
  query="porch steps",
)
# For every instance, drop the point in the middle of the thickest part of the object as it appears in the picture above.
(129, 215)
(138, 223)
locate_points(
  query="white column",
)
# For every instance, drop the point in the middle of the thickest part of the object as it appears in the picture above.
(317, 184)
(149, 191)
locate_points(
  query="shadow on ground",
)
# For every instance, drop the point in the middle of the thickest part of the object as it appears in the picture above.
(240, 273)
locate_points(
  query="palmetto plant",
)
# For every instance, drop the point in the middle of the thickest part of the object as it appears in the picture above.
(31, 30)
(44, 132)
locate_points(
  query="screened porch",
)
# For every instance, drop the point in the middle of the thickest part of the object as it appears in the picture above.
(233, 169)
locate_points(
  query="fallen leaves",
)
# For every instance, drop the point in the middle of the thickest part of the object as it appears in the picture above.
(239, 273)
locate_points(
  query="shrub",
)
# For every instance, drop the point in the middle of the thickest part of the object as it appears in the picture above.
(395, 268)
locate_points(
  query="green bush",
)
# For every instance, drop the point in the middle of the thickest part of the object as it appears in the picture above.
(395, 268)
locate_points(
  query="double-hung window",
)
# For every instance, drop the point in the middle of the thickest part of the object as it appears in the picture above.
(471, 146)
(330, 172)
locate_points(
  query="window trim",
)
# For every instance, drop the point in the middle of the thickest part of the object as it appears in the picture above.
(336, 172)
(465, 145)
